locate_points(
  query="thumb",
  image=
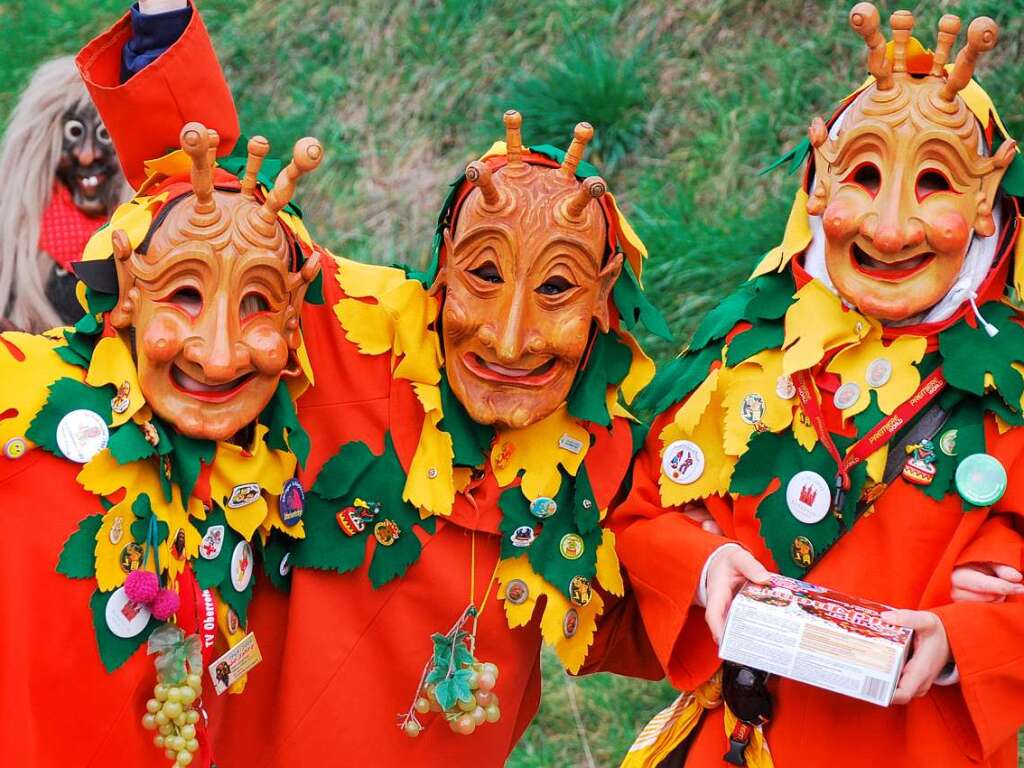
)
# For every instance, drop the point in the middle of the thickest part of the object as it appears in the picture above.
(749, 567)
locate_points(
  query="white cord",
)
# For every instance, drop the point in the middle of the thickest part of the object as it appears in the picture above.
(990, 329)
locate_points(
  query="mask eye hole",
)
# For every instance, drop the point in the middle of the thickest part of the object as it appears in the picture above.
(253, 304)
(188, 300)
(930, 182)
(102, 135)
(554, 286)
(488, 273)
(867, 176)
(73, 130)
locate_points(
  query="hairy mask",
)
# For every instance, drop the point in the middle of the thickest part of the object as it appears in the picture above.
(905, 186)
(525, 280)
(212, 302)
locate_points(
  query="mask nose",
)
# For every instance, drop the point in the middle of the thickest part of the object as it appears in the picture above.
(215, 348)
(509, 342)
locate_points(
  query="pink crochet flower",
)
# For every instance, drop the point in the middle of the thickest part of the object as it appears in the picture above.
(141, 586)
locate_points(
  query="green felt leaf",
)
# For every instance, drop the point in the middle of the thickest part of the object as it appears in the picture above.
(187, 459)
(88, 324)
(78, 557)
(142, 508)
(584, 505)
(67, 395)
(461, 678)
(634, 306)
(1013, 180)
(766, 335)
(237, 601)
(212, 573)
(326, 546)
(677, 379)
(446, 693)
(315, 292)
(128, 444)
(278, 547)
(969, 353)
(281, 420)
(471, 441)
(723, 317)
(114, 650)
(99, 302)
(795, 157)
(271, 167)
(607, 366)
(463, 655)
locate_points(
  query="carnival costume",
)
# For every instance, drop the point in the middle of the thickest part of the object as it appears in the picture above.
(439, 498)
(852, 415)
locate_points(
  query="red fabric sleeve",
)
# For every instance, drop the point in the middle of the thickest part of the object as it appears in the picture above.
(997, 541)
(663, 553)
(145, 115)
(620, 644)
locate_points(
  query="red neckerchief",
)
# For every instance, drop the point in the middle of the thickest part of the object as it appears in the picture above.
(64, 229)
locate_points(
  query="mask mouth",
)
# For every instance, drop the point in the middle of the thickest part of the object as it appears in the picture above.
(211, 393)
(522, 377)
(889, 271)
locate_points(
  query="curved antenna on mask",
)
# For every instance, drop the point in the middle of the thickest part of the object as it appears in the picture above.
(581, 136)
(949, 28)
(982, 36)
(591, 189)
(195, 141)
(306, 156)
(864, 21)
(257, 148)
(513, 137)
(902, 24)
(480, 176)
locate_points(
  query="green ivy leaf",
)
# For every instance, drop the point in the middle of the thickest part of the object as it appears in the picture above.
(281, 420)
(756, 339)
(677, 379)
(446, 693)
(142, 508)
(607, 365)
(212, 573)
(634, 306)
(114, 650)
(187, 460)
(965, 368)
(78, 557)
(127, 444)
(67, 395)
(278, 547)
(471, 442)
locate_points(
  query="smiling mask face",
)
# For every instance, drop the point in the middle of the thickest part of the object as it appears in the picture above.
(214, 307)
(903, 188)
(525, 282)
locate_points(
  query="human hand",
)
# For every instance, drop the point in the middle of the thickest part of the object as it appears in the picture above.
(930, 654)
(700, 515)
(729, 570)
(985, 583)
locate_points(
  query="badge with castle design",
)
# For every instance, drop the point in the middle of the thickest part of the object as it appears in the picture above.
(808, 497)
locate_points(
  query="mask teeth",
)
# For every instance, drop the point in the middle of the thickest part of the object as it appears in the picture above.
(591, 189)
(258, 147)
(949, 28)
(306, 156)
(982, 36)
(480, 176)
(513, 137)
(581, 136)
(196, 142)
(864, 20)
(902, 23)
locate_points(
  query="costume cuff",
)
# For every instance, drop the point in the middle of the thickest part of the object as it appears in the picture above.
(153, 33)
(950, 675)
(701, 598)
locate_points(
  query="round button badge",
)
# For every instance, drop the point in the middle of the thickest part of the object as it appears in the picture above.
(752, 408)
(241, 566)
(543, 507)
(81, 434)
(683, 462)
(980, 479)
(15, 448)
(846, 396)
(879, 372)
(808, 497)
(785, 388)
(125, 618)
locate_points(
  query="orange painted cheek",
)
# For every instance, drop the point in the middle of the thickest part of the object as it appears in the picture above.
(162, 339)
(268, 349)
(840, 219)
(567, 337)
(948, 232)
(457, 320)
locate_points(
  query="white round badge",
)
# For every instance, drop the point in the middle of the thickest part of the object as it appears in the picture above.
(785, 388)
(683, 462)
(125, 618)
(241, 566)
(879, 372)
(846, 396)
(808, 497)
(81, 434)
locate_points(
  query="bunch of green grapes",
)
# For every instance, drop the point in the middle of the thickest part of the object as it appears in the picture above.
(171, 715)
(480, 707)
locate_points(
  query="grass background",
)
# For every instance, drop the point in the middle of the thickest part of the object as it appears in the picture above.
(690, 99)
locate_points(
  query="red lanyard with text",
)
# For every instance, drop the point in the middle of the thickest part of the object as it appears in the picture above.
(875, 438)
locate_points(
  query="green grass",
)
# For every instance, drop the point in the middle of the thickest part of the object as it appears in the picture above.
(690, 100)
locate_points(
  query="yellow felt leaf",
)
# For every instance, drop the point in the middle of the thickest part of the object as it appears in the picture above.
(133, 218)
(1019, 368)
(177, 519)
(103, 476)
(80, 296)
(609, 574)
(109, 574)
(751, 382)
(535, 451)
(24, 384)
(368, 326)
(518, 568)
(632, 246)
(875, 463)
(360, 280)
(851, 364)
(429, 483)
(112, 363)
(696, 405)
(1018, 261)
(795, 240)
(816, 323)
(572, 651)
(295, 224)
(307, 368)
(413, 312)
(718, 466)
(981, 104)
(803, 432)
(175, 162)
(641, 369)
(273, 520)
